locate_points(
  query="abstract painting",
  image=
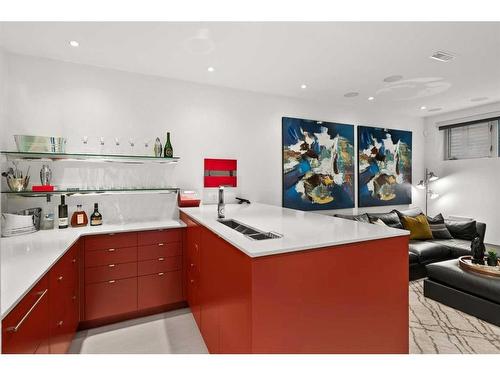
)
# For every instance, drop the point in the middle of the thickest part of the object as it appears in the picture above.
(318, 164)
(384, 166)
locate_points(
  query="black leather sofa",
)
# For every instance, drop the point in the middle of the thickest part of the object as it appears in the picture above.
(422, 253)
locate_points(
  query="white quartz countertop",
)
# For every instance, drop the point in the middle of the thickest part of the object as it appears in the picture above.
(300, 230)
(25, 259)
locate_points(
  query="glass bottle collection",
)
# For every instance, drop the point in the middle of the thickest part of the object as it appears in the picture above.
(79, 217)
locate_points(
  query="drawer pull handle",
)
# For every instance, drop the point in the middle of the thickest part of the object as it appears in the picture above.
(161, 259)
(111, 234)
(74, 260)
(161, 244)
(18, 326)
(60, 323)
(59, 278)
(73, 298)
(191, 281)
(111, 250)
(161, 274)
(196, 246)
(192, 264)
(111, 281)
(111, 265)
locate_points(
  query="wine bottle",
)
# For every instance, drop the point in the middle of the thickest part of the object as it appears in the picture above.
(96, 217)
(63, 213)
(168, 151)
(79, 217)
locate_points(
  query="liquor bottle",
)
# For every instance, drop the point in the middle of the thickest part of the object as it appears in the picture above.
(168, 151)
(63, 213)
(96, 217)
(79, 217)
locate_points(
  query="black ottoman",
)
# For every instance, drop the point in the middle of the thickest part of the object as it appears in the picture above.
(471, 293)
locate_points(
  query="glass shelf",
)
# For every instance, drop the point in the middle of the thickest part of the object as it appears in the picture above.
(30, 193)
(129, 159)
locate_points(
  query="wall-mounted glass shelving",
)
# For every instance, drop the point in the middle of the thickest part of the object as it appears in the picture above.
(29, 193)
(110, 158)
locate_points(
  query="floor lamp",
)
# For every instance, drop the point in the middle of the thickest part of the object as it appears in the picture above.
(424, 184)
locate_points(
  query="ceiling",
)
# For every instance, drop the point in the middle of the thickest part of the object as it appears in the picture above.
(331, 58)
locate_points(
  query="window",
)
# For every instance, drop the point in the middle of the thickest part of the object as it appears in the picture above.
(477, 140)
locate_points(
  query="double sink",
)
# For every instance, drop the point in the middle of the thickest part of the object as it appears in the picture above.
(252, 233)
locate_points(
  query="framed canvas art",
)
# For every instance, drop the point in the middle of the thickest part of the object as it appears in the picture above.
(318, 164)
(384, 166)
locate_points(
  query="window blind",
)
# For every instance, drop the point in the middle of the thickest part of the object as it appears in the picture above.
(471, 141)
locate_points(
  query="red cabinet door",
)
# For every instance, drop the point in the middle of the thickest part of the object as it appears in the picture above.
(110, 298)
(111, 255)
(110, 272)
(111, 240)
(154, 237)
(148, 267)
(25, 330)
(64, 301)
(160, 289)
(158, 250)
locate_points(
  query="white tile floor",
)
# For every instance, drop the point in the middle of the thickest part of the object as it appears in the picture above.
(173, 332)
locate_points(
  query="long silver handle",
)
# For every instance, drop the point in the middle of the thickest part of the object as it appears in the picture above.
(16, 328)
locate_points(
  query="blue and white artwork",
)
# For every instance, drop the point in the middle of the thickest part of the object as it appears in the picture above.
(384, 166)
(318, 164)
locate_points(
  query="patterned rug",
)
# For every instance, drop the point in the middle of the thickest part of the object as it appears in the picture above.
(439, 329)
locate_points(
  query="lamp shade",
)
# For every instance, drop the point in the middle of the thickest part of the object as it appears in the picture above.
(432, 176)
(421, 185)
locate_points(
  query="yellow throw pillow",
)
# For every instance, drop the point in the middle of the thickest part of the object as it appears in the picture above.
(418, 226)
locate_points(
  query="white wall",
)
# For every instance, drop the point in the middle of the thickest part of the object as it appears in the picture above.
(47, 97)
(467, 187)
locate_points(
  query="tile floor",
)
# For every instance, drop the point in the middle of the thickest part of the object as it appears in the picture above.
(173, 332)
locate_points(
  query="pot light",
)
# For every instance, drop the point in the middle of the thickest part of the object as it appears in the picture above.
(393, 78)
(303, 86)
(370, 98)
(74, 43)
(442, 56)
(211, 69)
(479, 99)
(423, 107)
(435, 109)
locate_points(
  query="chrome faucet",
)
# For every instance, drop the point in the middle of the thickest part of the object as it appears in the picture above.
(220, 205)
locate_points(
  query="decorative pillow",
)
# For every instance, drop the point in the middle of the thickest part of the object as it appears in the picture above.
(418, 226)
(412, 212)
(379, 222)
(463, 230)
(391, 219)
(438, 228)
(362, 218)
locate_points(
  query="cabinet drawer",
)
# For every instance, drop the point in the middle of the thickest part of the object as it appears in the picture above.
(110, 272)
(110, 298)
(64, 274)
(25, 330)
(110, 256)
(159, 289)
(147, 267)
(153, 237)
(111, 240)
(159, 250)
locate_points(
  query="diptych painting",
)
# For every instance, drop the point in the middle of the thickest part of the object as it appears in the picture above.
(318, 164)
(384, 166)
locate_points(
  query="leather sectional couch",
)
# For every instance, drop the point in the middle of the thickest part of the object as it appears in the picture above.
(422, 253)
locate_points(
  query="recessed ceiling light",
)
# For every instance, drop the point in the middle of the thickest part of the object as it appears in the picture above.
(393, 78)
(423, 107)
(211, 69)
(435, 109)
(351, 94)
(74, 43)
(370, 98)
(442, 56)
(479, 99)
(303, 86)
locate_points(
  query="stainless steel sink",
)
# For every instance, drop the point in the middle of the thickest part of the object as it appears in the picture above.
(248, 231)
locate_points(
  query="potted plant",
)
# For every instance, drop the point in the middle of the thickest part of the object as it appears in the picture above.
(492, 258)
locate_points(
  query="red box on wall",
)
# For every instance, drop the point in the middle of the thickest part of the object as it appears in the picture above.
(219, 172)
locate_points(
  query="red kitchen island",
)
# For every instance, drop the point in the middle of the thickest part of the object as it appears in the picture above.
(328, 285)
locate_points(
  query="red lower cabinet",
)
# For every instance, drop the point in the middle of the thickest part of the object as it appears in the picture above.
(25, 330)
(109, 298)
(159, 289)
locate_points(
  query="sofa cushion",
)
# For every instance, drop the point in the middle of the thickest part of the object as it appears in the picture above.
(438, 227)
(450, 273)
(429, 251)
(418, 226)
(391, 219)
(362, 217)
(464, 230)
(413, 258)
(457, 247)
